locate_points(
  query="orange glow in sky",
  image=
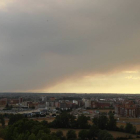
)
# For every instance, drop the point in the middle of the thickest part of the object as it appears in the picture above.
(123, 82)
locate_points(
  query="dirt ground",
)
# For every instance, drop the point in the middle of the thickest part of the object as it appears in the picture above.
(42, 119)
(129, 119)
(65, 130)
(113, 133)
(121, 134)
(136, 125)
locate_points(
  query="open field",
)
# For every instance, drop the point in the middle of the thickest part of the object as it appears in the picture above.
(129, 119)
(116, 134)
(65, 130)
(113, 133)
(44, 119)
(123, 124)
(134, 121)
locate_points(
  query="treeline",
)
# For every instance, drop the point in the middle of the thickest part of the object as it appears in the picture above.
(102, 122)
(26, 129)
(110, 123)
(20, 128)
(66, 120)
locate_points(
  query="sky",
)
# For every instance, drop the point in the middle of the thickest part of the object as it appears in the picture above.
(78, 46)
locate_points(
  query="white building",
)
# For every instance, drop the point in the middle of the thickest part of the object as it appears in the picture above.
(75, 102)
(87, 103)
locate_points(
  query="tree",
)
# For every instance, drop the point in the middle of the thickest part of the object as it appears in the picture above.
(93, 132)
(71, 134)
(101, 122)
(112, 122)
(83, 134)
(7, 107)
(95, 121)
(2, 121)
(45, 123)
(121, 128)
(104, 135)
(82, 122)
(39, 134)
(129, 128)
(22, 137)
(14, 118)
(134, 130)
(110, 112)
(59, 133)
(64, 120)
(26, 127)
(32, 137)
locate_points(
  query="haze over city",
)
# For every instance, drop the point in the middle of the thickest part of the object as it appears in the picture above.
(73, 46)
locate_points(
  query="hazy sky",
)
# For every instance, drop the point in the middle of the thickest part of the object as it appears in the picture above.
(70, 46)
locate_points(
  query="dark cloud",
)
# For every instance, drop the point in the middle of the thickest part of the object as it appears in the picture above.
(45, 41)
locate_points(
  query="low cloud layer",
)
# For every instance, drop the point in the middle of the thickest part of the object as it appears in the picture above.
(43, 42)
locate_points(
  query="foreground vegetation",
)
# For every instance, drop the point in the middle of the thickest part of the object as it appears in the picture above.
(21, 128)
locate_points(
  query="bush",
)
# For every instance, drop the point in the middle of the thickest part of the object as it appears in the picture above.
(129, 128)
(71, 134)
(104, 135)
(83, 134)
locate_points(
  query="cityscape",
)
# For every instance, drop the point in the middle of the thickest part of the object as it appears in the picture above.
(47, 107)
(69, 69)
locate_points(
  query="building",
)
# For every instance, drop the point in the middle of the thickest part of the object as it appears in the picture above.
(95, 104)
(32, 105)
(87, 103)
(3, 102)
(128, 109)
(41, 105)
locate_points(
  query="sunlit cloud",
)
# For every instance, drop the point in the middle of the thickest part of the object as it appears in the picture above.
(132, 77)
(98, 84)
(129, 72)
(5, 3)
